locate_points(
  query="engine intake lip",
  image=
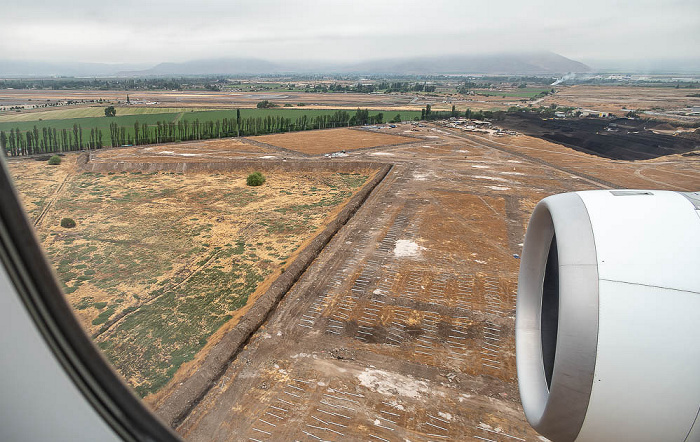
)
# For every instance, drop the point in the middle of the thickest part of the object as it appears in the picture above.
(556, 400)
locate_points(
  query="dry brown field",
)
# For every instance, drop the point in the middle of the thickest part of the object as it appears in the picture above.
(204, 100)
(212, 100)
(225, 149)
(160, 264)
(332, 140)
(620, 99)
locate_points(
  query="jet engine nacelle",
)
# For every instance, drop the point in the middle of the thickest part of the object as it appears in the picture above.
(608, 316)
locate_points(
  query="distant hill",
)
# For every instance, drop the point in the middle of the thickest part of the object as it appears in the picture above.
(528, 64)
(525, 64)
(19, 68)
(533, 63)
(232, 66)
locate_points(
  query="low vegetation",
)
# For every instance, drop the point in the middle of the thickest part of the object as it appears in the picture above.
(159, 262)
(68, 223)
(255, 179)
(55, 160)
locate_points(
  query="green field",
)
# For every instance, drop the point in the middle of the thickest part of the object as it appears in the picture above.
(167, 115)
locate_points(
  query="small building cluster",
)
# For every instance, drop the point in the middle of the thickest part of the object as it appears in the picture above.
(478, 126)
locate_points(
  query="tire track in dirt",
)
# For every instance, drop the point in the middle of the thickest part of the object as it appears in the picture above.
(52, 199)
(492, 145)
(641, 175)
(123, 314)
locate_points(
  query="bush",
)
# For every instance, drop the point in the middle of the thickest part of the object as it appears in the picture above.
(55, 160)
(265, 104)
(68, 223)
(255, 179)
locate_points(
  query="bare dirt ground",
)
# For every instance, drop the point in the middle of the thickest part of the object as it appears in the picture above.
(211, 100)
(311, 100)
(195, 151)
(331, 140)
(402, 329)
(620, 99)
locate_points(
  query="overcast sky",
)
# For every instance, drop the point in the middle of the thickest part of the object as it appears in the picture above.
(129, 31)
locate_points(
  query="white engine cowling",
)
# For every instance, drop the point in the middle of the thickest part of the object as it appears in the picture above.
(608, 316)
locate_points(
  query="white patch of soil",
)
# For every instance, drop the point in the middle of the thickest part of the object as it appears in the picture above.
(447, 416)
(493, 178)
(407, 248)
(392, 384)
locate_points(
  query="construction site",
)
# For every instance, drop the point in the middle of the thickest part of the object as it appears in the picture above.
(390, 315)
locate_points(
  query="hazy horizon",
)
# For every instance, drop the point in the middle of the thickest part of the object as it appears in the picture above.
(347, 31)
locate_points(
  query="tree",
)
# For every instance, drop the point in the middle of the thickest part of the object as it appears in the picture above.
(110, 111)
(265, 104)
(361, 117)
(136, 132)
(75, 136)
(238, 122)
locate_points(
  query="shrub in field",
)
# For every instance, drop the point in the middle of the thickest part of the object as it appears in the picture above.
(68, 223)
(255, 179)
(55, 160)
(265, 104)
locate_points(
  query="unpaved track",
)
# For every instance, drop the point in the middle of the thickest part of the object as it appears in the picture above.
(402, 328)
(51, 200)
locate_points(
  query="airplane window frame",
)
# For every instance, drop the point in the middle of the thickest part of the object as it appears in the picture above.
(39, 291)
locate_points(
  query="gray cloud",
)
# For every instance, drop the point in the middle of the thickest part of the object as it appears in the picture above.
(175, 30)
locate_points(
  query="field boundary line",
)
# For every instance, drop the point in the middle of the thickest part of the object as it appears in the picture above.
(271, 146)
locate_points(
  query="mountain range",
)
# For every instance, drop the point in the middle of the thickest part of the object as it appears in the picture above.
(524, 64)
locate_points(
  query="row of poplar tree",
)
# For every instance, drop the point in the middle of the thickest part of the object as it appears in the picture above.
(51, 140)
